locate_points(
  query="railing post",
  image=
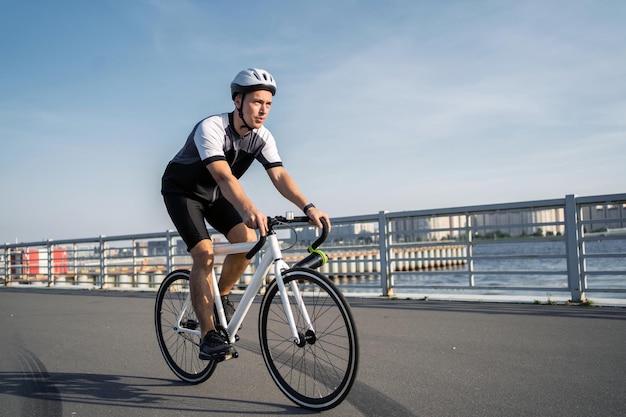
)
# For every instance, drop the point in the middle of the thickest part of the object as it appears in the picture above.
(103, 261)
(170, 252)
(74, 261)
(134, 275)
(469, 255)
(9, 272)
(50, 263)
(383, 247)
(5, 263)
(572, 249)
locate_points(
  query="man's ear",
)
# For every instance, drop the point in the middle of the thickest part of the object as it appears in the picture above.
(237, 101)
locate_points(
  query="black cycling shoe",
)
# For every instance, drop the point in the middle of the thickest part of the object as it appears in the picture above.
(229, 308)
(229, 311)
(215, 346)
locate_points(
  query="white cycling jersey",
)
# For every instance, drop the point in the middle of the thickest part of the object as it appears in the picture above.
(214, 139)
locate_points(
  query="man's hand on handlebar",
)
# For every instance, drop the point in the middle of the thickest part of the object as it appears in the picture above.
(315, 215)
(257, 220)
(270, 222)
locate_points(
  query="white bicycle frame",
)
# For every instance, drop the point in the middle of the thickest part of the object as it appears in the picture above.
(271, 255)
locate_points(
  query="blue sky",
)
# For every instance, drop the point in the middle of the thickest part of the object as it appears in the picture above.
(395, 105)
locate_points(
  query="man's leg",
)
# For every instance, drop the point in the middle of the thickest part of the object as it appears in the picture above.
(235, 264)
(200, 284)
(213, 345)
(189, 217)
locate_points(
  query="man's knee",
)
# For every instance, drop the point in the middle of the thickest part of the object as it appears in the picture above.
(202, 253)
(241, 233)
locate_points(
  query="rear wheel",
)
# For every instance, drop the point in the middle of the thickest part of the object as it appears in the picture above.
(179, 347)
(318, 370)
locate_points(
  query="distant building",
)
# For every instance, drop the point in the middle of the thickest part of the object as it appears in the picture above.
(514, 223)
(521, 223)
(604, 217)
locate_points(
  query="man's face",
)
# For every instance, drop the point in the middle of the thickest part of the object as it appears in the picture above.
(256, 107)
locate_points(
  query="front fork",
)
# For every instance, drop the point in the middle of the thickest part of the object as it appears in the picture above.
(280, 267)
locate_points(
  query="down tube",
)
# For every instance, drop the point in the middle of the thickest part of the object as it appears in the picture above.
(248, 296)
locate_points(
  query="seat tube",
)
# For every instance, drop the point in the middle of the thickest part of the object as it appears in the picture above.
(217, 300)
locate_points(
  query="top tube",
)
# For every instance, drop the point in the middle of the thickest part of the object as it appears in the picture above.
(229, 248)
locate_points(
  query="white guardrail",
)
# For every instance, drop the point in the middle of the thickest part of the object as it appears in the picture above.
(573, 245)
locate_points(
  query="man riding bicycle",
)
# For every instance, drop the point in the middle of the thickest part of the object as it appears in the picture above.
(201, 183)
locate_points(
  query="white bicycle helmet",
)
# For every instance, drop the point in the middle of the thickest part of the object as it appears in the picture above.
(252, 79)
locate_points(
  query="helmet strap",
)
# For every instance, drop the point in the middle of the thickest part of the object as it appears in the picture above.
(240, 110)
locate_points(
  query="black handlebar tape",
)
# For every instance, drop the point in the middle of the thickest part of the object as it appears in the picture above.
(256, 248)
(323, 236)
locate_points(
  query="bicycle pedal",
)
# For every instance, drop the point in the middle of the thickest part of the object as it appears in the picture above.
(228, 356)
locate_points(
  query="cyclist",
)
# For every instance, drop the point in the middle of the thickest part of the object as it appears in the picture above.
(201, 183)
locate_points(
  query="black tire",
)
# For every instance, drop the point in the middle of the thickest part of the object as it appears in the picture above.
(180, 350)
(319, 373)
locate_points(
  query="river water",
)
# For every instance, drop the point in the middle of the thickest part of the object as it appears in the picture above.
(515, 269)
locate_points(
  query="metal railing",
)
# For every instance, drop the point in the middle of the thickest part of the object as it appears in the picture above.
(574, 245)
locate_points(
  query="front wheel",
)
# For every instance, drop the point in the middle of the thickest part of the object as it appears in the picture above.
(318, 370)
(178, 329)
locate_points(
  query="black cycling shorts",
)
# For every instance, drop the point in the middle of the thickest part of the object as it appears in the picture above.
(189, 215)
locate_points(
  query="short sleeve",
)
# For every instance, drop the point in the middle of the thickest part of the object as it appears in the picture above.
(269, 156)
(209, 139)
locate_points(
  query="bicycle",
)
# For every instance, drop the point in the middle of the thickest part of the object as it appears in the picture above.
(307, 334)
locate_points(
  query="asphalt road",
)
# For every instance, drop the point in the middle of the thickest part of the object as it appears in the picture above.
(94, 353)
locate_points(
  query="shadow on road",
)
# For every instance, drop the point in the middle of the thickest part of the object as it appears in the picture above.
(574, 311)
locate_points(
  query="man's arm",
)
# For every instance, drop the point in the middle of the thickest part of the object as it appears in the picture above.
(287, 187)
(232, 190)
